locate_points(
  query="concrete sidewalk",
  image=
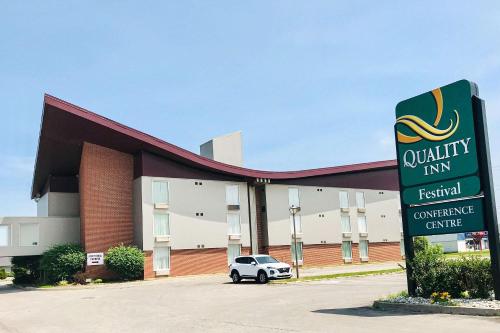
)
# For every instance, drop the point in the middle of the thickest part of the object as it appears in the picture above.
(312, 271)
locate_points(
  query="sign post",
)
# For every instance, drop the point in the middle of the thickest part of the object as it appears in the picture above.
(444, 169)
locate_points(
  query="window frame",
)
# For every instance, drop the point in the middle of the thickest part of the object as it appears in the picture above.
(155, 252)
(342, 217)
(363, 241)
(298, 224)
(229, 226)
(363, 198)
(290, 199)
(229, 262)
(341, 201)
(229, 186)
(164, 213)
(300, 244)
(9, 235)
(157, 181)
(350, 247)
(365, 223)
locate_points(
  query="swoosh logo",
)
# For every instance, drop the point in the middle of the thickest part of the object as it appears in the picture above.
(424, 130)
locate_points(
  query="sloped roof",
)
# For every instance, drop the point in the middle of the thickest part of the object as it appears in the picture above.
(65, 127)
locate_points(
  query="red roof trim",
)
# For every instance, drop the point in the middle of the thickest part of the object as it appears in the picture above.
(205, 162)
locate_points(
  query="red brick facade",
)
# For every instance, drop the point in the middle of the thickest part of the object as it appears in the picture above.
(384, 251)
(331, 254)
(106, 178)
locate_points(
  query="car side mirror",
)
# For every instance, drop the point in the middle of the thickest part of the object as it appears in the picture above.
(253, 263)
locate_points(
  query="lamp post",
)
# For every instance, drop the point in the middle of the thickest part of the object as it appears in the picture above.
(294, 210)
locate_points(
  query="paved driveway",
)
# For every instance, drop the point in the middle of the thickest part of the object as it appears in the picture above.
(211, 304)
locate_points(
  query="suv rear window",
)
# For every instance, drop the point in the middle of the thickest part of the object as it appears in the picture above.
(243, 260)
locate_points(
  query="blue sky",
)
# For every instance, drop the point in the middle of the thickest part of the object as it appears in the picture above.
(310, 83)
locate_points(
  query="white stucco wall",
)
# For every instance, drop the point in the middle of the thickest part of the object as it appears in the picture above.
(382, 215)
(59, 204)
(51, 231)
(188, 231)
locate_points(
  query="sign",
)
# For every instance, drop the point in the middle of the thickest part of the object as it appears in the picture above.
(451, 189)
(438, 161)
(445, 170)
(94, 259)
(446, 218)
(435, 135)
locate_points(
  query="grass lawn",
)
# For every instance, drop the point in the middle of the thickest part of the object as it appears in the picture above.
(483, 253)
(340, 275)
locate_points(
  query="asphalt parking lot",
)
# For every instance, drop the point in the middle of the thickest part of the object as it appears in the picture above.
(212, 304)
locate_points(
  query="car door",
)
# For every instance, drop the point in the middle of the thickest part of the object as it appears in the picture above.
(252, 269)
(244, 267)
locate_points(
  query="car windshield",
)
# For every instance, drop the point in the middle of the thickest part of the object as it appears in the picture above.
(266, 260)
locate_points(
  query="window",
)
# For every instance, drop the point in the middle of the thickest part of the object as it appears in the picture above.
(232, 195)
(233, 224)
(266, 260)
(244, 260)
(160, 192)
(299, 251)
(161, 224)
(346, 250)
(362, 228)
(363, 248)
(360, 200)
(293, 197)
(345, 222)
(161, 258)
(298, 224)
(233, 251)
(4, 235)
(28, 234)
(344, 199)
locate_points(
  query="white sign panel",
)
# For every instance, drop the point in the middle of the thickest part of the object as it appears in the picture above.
(94, 259)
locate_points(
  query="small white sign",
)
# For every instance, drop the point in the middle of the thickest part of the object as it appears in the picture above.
(94, 259)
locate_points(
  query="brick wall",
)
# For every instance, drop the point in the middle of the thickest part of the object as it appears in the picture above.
(331, 254)
(322, 254)
(261, 219)
(198, 261)
(148, 265)
(389, 251)
(106, 189)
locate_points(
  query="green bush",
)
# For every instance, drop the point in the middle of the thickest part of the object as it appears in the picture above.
(432, 272)
(3, 274)
(61, 262)
(126, 261)
(420, 243)
(26, 269)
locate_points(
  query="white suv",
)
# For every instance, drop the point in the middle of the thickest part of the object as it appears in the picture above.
(258, 267)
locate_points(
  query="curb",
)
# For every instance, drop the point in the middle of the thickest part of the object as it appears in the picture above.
(428, 308)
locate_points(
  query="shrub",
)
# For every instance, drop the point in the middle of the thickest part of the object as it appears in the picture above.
(3, 274)
(126, 261)
(420, 244)
(80, 278)
(26, 269)
(432, 273)
(61, 262)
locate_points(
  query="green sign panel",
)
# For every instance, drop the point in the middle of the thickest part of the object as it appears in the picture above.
(446, 218)
(438, 163)
(435, 135)
(450, 189)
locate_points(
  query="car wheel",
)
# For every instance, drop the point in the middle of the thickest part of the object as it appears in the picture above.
(262, 277)
(235, 276)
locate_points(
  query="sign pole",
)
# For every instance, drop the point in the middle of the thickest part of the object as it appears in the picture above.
(407, 240)
(489, 194)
